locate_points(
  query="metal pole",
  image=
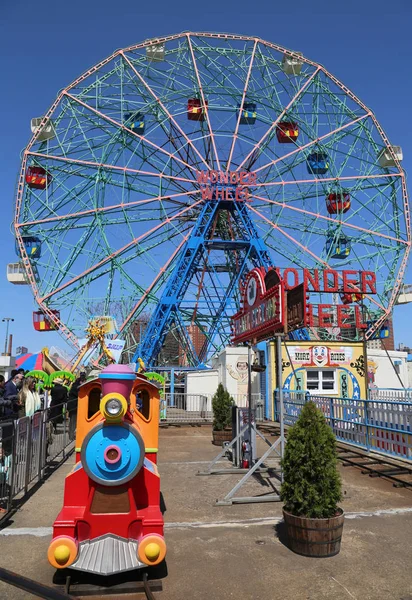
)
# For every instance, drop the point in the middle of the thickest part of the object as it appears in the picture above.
(249, 393)
(280, 387)
(7, 321)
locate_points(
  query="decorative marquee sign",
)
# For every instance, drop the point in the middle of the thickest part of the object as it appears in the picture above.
(263, 311)
(320, 356)
(278, 301)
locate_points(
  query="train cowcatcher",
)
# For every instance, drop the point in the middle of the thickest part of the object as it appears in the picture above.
(111, 519)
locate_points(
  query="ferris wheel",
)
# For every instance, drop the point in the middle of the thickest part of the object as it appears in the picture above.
(166, 172)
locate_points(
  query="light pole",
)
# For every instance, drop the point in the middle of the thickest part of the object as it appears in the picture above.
(7, 321)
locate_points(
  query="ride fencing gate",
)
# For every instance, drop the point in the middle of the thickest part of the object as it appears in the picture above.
(28, 446)
(380, 425)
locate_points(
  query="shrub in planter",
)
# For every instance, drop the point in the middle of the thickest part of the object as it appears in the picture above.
(312, 486)
(222, 403)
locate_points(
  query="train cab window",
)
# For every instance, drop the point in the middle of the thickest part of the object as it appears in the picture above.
(94, 402)
(143, 403)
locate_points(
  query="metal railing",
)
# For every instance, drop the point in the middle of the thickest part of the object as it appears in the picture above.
(390, 394)
(27, 446)
(197, 408)
(372, 424)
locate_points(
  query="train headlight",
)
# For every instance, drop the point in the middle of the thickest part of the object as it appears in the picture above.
(113, 407)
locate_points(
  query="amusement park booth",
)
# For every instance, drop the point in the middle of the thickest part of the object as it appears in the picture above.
(331, 369)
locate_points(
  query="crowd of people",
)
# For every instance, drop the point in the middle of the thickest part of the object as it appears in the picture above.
(22, 396)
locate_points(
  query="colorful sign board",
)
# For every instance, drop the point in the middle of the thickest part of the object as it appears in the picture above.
(263, 311)
(226, 185)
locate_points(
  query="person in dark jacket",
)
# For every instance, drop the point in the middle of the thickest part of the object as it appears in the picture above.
(72, 404)
(58, 398)
(6, 406)
(11, 391)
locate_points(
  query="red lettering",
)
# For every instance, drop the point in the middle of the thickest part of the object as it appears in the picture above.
(220, 192)
(309, 321)
(247, 195)
(201, 177)
(343, 321)
(207, 193)
(234, 177)
(224, 176)
(243, 177)
(350, 285)
(229, 194)
(214, 176)
(252, 178)
(312, 279)
(330, 287)
(240, 196)
(325, 318)
(358, 318)
(295, 275)
(368, 281)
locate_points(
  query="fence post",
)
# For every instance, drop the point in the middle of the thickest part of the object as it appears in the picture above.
(367, 441)
(332, 415)
(28, 455)
(64, 430)
(13, 467)
(275, 405)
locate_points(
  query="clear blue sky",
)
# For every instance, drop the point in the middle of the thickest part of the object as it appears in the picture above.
(45, 45)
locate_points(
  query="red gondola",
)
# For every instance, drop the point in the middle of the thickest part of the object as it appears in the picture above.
(338, 203)
(287, 132)
(38, 178)
(195, 109)
(349, 297)
(41, 321)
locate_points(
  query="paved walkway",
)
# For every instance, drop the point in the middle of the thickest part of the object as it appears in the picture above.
(219, 553)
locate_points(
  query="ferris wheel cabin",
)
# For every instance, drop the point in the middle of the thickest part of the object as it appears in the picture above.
(32, 245)
(155, 53)
(41, 321)
(317, 163)
(44, 133)
(248, 116)
(287, 132)
(135, 122)
(338, 248)
(338, 203)
(195, 109)
(38, 178)
(291, 65)
(16, 274)
(385, 158)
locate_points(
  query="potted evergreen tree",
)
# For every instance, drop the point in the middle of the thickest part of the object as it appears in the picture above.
(312, 486)
(222, 403)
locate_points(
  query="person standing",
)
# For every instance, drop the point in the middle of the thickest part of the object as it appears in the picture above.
(58, 399)
(72, 404)
(11, 392)
(29, 398)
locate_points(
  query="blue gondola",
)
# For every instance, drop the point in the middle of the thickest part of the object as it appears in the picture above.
(382, 333)
(317, 163)
(338, 247)
(248, 116)
(299, 335)
(135, 122)
(32, 245)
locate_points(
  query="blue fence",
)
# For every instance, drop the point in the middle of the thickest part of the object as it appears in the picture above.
(378, 425)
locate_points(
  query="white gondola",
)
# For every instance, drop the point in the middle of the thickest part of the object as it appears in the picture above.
(16, 274)
(292, 65)
(44, 133)
(405, 294)
(385, 157)
(155, 53)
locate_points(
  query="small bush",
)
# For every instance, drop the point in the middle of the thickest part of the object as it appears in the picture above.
(222, 403)
(312, 484)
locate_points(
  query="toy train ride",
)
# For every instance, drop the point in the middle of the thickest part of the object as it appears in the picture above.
(111, 519)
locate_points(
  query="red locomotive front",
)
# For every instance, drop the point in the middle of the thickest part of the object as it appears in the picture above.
(111, 519)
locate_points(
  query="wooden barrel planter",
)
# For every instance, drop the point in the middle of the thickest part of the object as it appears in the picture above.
(225, 435)
(314, 537)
